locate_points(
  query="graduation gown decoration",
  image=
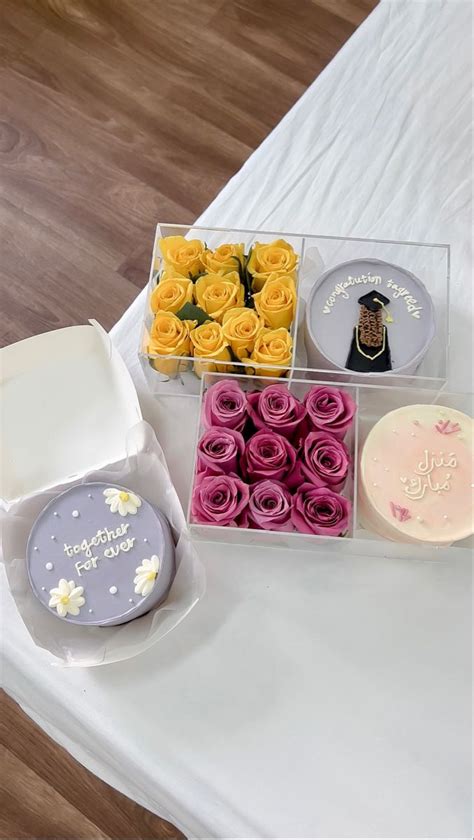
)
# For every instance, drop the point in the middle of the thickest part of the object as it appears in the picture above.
(370, 352)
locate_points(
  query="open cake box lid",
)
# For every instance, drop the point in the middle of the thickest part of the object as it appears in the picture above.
(68, 402)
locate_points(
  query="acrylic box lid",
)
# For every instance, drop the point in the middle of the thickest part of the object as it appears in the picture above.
(67, 403)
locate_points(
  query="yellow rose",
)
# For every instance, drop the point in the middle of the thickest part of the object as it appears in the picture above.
(272, 347)
(276, 303)
(169, 336)
(171, 294)
(216, 293)
(182, 256)
(225, 258)
(268, 258)
(209, 342)
(241, 327)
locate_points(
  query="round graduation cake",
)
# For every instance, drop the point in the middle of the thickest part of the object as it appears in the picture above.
(99, 554)
(416, 476)
(368, 316)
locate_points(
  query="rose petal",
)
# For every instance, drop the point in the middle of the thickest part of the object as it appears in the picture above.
(225, 404)
(321, 511)
(330, 409)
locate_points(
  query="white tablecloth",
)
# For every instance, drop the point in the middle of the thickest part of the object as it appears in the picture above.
(307, 696)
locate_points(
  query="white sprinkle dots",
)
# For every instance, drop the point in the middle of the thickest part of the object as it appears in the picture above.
(419, 519)
(43, 589)
(55, 513)
(113, 590)
(130, 600)
(90, 611)
(37, 549)
(53, 537)
(75, 514)
(394, 431)
(375, 459)
(375, 484)
(145, 539)
(49, 567)
(386, 469)
(445, 516)
(89, 495)
(413, 434)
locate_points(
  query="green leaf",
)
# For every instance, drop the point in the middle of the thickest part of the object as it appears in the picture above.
(195, 277)
(247, 281)
(190, 312)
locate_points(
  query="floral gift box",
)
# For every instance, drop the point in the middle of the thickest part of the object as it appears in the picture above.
(266, 303)
(220, 301)
(377, 471)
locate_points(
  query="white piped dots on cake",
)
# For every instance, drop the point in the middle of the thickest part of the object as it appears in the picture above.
(113, 590)
(49, 566)
(75, 514)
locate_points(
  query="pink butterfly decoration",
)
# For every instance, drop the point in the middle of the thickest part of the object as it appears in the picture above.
(447, 427)
(399, 512)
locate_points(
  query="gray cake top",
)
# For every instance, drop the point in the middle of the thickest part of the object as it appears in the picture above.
(106, 541)
(332, 310)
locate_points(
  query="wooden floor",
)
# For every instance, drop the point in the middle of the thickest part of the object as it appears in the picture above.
(115, 114)
(46, 794)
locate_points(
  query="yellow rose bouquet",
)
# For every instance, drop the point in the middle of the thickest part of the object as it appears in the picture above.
(223, 306)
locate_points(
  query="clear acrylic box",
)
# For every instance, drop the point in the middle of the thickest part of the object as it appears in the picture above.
(429, 262)
(373, 402)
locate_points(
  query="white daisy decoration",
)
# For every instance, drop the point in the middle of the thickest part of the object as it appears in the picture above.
(122, 501)
(146, 575)
(67, 598)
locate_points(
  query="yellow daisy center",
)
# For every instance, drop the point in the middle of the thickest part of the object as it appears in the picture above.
(64, 599)
(124, 497)
(151, 576)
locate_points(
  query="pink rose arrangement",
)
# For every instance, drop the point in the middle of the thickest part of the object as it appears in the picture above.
(269, 461)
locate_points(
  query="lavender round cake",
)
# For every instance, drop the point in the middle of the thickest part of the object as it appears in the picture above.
(99, 554)
(369, 316)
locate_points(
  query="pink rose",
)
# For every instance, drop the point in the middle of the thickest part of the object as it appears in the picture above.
(225, 404)
(219, 499)
(220, 450)
(325, 461)
(270, 506)
(319, 510)
(329, 409)
(277, 409)
(268, 455)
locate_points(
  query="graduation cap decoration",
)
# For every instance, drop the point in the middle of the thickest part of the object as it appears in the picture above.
(369, 351)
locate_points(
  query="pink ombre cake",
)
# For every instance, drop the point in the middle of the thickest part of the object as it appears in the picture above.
(416, 476)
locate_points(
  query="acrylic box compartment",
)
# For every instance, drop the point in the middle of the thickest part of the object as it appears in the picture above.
(427, 264)
(372, 402)
(180, 374)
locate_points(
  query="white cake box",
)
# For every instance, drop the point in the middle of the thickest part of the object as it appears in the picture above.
(318, 256)
(70, 414)
(373, 402)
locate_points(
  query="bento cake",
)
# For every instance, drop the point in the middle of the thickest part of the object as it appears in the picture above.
(99, 554)
(416, 476)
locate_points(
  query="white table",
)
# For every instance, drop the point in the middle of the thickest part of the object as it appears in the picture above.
(323, 697)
